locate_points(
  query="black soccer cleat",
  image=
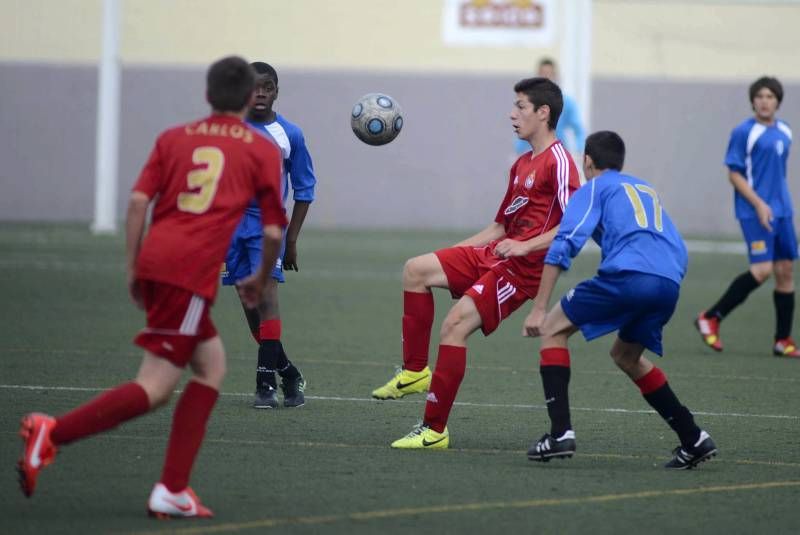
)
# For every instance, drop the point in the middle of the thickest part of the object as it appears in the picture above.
(547, 447)
(293, 391)
(266, 398)
(687, 458)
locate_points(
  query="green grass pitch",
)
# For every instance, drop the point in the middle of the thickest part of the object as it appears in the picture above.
(327, 467)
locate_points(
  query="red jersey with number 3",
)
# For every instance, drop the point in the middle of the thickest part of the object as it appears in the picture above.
(202, 175)
(538, 190)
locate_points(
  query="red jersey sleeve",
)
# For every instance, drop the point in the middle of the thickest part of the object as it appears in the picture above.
(500, 217)
(564, 175)
(268, 186)
(151, 178)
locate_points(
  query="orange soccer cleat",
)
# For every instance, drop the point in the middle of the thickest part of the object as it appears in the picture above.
(785, 348)
(709, 330)
(39, 450)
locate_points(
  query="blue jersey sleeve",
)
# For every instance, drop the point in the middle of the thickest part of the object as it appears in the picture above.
(301, 169)
(737, 150)
(572, 121)
(579, 222)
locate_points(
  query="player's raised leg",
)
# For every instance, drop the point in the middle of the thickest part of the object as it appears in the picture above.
(420, 274)
(172, 496)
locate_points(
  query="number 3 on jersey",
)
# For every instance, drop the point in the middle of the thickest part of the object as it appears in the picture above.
(638, 206)
(206, 179)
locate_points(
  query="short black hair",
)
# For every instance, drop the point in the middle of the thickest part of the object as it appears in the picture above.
(547, 62)
(770, 83)
(262, 68)
(230, 82)
(541, 91)
(606, 149)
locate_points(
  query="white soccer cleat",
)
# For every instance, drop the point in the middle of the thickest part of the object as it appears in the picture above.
(185, 504)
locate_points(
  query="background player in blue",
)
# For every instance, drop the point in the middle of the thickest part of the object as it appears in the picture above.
(245, 250)
(756, 161)
(570, 119)
(643, 260)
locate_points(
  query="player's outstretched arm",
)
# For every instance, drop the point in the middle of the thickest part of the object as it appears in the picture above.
(299, 212)
(492, 232)
(532, 326)
(134, 232)
(763, 209)
(251, 289)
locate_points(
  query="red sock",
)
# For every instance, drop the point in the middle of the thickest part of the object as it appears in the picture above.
(269, 330)
(651, 381)
(188, 428)
(104, 412)
(417, 323)
(450, 367)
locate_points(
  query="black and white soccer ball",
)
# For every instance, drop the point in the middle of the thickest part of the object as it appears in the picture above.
(376, 119)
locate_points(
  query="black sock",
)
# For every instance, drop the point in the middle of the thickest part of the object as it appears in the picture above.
(678, 417)
(555, 380)
(286, 369)
(268, 353)
(734, 296)
(784, 313)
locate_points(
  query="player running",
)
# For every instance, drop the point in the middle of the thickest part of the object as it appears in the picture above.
(199, 178)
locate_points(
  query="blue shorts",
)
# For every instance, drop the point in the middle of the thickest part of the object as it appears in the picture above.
(766, 246)
(638, 305)
(244, 254)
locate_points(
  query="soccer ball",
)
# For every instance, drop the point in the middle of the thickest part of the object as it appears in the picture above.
(376, 119)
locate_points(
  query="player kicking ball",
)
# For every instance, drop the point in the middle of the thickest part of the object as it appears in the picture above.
(491, 273)
(199, 178)
(634, 293)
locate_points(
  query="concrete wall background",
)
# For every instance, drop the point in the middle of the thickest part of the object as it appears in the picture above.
(671, 77)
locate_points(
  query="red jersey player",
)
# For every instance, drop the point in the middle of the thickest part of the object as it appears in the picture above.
(491, 273)
(200, 176)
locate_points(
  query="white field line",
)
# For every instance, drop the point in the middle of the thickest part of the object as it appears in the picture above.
(420, 400)
(52, 262)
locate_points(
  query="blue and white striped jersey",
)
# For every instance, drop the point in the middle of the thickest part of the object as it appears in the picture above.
(759, 153)
(623, 214)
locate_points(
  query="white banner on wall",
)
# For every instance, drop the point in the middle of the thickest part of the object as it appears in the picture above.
(498, 23)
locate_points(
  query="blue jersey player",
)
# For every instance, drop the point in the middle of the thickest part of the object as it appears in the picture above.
(643, 260)
(756, 159)
(244, 254)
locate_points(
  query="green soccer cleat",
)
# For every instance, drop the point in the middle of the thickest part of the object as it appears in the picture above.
(405, 382)
(424, 438)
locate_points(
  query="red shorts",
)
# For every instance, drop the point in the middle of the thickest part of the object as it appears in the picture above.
(177, 320)
(469, 272)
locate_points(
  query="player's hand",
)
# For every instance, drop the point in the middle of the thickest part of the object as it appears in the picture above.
(508, 248)
(290, 257)
(135, 291)
(765, 216)
(251, 289)
(532, 327)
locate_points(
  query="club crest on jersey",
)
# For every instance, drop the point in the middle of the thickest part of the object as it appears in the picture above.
(530, 180)
(779, 147)
(518, 202)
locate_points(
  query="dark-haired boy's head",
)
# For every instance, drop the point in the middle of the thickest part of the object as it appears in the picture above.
(229, 84)
(604, 150)
(543, 92)
(266, 70)
(766, 82)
